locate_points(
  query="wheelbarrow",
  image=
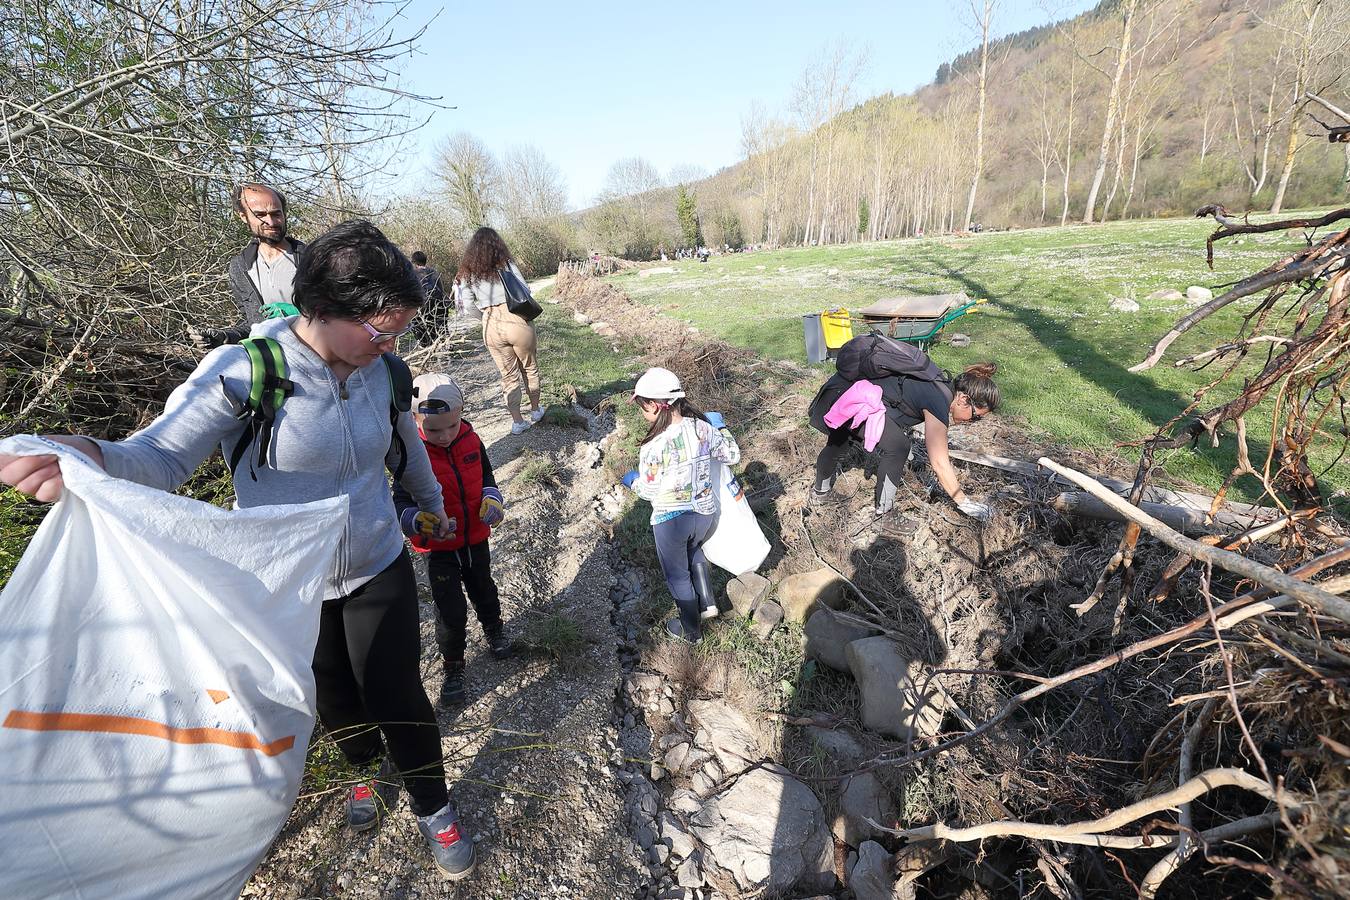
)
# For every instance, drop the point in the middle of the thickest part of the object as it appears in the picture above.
(917, 320)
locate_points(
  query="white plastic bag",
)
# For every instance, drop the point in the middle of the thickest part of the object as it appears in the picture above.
(736, 543)
(156, 697)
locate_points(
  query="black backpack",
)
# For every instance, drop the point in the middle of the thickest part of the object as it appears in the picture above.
(873, 356)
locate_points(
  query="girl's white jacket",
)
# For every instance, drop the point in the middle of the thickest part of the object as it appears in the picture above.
(675, 467)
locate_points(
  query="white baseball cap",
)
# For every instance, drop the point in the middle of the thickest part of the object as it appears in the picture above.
(658, 384)
(435, 388)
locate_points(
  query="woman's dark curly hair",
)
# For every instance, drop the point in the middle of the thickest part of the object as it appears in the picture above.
(352, 271)
(483, 257)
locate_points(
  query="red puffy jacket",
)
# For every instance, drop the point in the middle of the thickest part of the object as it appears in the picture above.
(463, 470)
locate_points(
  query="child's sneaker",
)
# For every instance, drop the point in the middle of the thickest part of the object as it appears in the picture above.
(521, 427)
(452, 688)
(499, 643)
(537, 415)
(450, 846)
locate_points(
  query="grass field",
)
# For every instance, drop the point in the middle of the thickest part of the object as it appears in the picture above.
(1062, 352)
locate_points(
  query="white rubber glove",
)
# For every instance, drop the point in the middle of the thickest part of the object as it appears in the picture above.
(976, 510)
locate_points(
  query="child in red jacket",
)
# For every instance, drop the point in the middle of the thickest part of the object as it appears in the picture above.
(460, 562)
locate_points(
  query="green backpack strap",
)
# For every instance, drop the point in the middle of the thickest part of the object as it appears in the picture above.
(400, 401)
(269, 386)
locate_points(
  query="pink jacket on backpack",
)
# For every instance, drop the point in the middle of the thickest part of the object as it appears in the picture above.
(860, 405)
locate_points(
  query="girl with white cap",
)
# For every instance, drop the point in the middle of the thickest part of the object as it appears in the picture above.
(675, 474)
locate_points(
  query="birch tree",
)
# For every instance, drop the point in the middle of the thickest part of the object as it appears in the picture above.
(983, 14)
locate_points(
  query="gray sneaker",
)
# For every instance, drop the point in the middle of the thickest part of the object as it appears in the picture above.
(450, 845)
(365, 800)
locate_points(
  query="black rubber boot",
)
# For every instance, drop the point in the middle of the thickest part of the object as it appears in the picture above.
(703, 590)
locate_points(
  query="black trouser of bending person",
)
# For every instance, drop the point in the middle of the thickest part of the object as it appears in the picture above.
(368, 679)
(452, 573)
(891, 452)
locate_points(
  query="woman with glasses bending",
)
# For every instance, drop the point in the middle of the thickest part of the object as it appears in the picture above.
(333, 436)
(509, 338)
(880, 413)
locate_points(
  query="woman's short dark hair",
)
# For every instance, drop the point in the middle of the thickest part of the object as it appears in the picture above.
(352, 271)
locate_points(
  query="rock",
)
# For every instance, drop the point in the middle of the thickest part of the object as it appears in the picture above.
(685, 801)
(702, 784)
(827, 635)
(871, 878)
(798, 594)
(1169, 295)
(959, 340)
(676, 836)
(644, 838)
(657, 772)
(581, 318)
(886, 680)
(604, 329)
(658, 854)
(732, 737)
(840, 746)
(658, 270)
(690, 872)
(675, 756)
(1124, 304)
(767, 831)
(1197, 294)
(744, 591)
(863, 798)
(765, 618)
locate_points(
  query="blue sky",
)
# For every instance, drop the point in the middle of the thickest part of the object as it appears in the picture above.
(592, 82)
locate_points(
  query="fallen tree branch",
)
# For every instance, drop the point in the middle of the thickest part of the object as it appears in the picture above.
(1164, 867)
(1224, 559)
(1090, 833)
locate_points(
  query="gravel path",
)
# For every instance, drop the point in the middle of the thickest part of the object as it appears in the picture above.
(534, 754)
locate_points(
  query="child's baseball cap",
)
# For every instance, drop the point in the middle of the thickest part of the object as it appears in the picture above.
(435, 393)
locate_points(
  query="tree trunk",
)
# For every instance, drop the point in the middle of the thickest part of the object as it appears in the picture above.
(985, 21)
(1290, 151)
(1112, 109)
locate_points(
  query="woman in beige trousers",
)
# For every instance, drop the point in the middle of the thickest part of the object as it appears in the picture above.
(509, 338)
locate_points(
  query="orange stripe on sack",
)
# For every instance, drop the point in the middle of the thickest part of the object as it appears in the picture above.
(62, 721)
(217, 696)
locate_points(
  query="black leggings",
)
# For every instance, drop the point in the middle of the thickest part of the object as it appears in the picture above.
(452, 573)
(366, 669)
(891, 451)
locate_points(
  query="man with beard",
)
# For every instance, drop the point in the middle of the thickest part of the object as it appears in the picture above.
(262, 273)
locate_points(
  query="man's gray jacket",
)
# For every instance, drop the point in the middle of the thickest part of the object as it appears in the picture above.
(245, 293)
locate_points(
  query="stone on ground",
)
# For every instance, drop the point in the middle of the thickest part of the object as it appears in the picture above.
(889, 683)
(863, 797)
(1166, 294)
(767, 831)
(798, 594)
(871, 878)
(841, 747)
(765, 619)
(1123, 304)
(828, 634)
(730, 735)
(744, 591)
(1197, 294)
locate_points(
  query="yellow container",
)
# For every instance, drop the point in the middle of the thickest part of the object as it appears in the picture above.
(838, 329)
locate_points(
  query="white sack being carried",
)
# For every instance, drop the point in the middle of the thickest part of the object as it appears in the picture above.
(736, 542)
(156, 698)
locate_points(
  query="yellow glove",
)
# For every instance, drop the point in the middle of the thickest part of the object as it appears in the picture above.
(420, 524)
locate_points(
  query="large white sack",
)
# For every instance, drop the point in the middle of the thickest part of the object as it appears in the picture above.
(736, 543)
(156, 697)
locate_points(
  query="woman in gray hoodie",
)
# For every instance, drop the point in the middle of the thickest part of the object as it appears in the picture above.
(332, 436)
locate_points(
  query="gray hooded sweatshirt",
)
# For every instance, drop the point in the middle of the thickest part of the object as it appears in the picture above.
(322, 446)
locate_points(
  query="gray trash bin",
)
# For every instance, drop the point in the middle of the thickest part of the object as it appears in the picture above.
(815, 339)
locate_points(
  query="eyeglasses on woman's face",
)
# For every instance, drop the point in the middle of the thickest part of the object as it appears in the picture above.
(379, 337)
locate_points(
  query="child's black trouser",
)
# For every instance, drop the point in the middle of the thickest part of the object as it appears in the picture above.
(368, 681)
(452, 573)
(679, 547)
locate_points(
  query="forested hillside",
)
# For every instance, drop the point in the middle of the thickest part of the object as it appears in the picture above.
(1137, 108)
